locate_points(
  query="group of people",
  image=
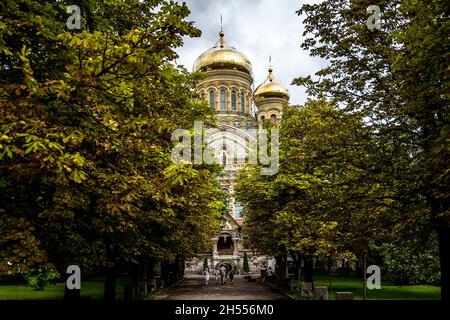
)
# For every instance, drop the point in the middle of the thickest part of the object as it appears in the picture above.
(267, 275)
(223, 273)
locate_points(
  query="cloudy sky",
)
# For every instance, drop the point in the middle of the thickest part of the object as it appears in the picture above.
(257, 28)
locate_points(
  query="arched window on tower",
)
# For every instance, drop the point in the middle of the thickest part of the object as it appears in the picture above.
(212, 99)
(273, 118)
(238, 210)
(250, 130)
(242, 102)
(233, 100)
(224, 158)
(223, 106)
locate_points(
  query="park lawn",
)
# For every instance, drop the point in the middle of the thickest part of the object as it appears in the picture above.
(388, 291)
(92, 289)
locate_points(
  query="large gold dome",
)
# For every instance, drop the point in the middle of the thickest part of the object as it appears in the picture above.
(271, 88)
(223, 56)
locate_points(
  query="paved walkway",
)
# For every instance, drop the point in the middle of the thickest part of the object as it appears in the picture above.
(192, 287)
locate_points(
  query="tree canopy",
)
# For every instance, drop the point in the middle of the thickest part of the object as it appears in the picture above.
(86, 118)
(366, 163)
(396, 79)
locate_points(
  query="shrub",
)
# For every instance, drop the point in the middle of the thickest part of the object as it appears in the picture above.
(412, 261)
(42, 277)
(245, 265)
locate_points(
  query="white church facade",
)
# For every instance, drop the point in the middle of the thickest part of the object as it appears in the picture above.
(240, 112)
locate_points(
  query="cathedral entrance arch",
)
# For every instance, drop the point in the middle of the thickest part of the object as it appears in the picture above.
(229, 264)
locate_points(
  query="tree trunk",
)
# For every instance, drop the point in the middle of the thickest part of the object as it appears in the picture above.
(441, 222)
(285, 267)
(279, 266)
(296, 258)
(110, 284)
(177, 267)
(308, 269)
(444, 257)
(183, 264)
(164, 274)
(71, 295)
(330, 263)
(150, 267)
(365, 277)
(135, 273)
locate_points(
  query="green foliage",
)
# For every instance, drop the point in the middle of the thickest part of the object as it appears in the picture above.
(321, 202)
(396, 79)
(412, 261)
(86, 119)
(388, 290)
(92, 289)
(368, 173)
(245, 266)
(38, 279)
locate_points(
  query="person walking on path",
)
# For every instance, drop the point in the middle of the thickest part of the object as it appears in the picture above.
(226, 275)
(206, 275)
(223, 274)
(231, 274)
(263, 274)
(269, 275)
(216, 275)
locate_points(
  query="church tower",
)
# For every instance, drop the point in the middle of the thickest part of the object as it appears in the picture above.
(227, 87)
(270, 97)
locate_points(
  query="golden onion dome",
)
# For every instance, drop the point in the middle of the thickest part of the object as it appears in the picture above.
(271, 88)
(223, 56)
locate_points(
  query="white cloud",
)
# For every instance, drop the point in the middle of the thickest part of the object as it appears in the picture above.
(257, 28)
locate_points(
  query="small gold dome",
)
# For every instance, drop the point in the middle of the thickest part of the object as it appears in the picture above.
(223, 56)
(271, 88)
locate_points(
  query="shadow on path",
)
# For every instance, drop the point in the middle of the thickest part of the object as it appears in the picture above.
(192, 287)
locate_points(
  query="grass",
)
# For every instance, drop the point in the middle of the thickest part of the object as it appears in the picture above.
(92, 289)
(388, 291)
